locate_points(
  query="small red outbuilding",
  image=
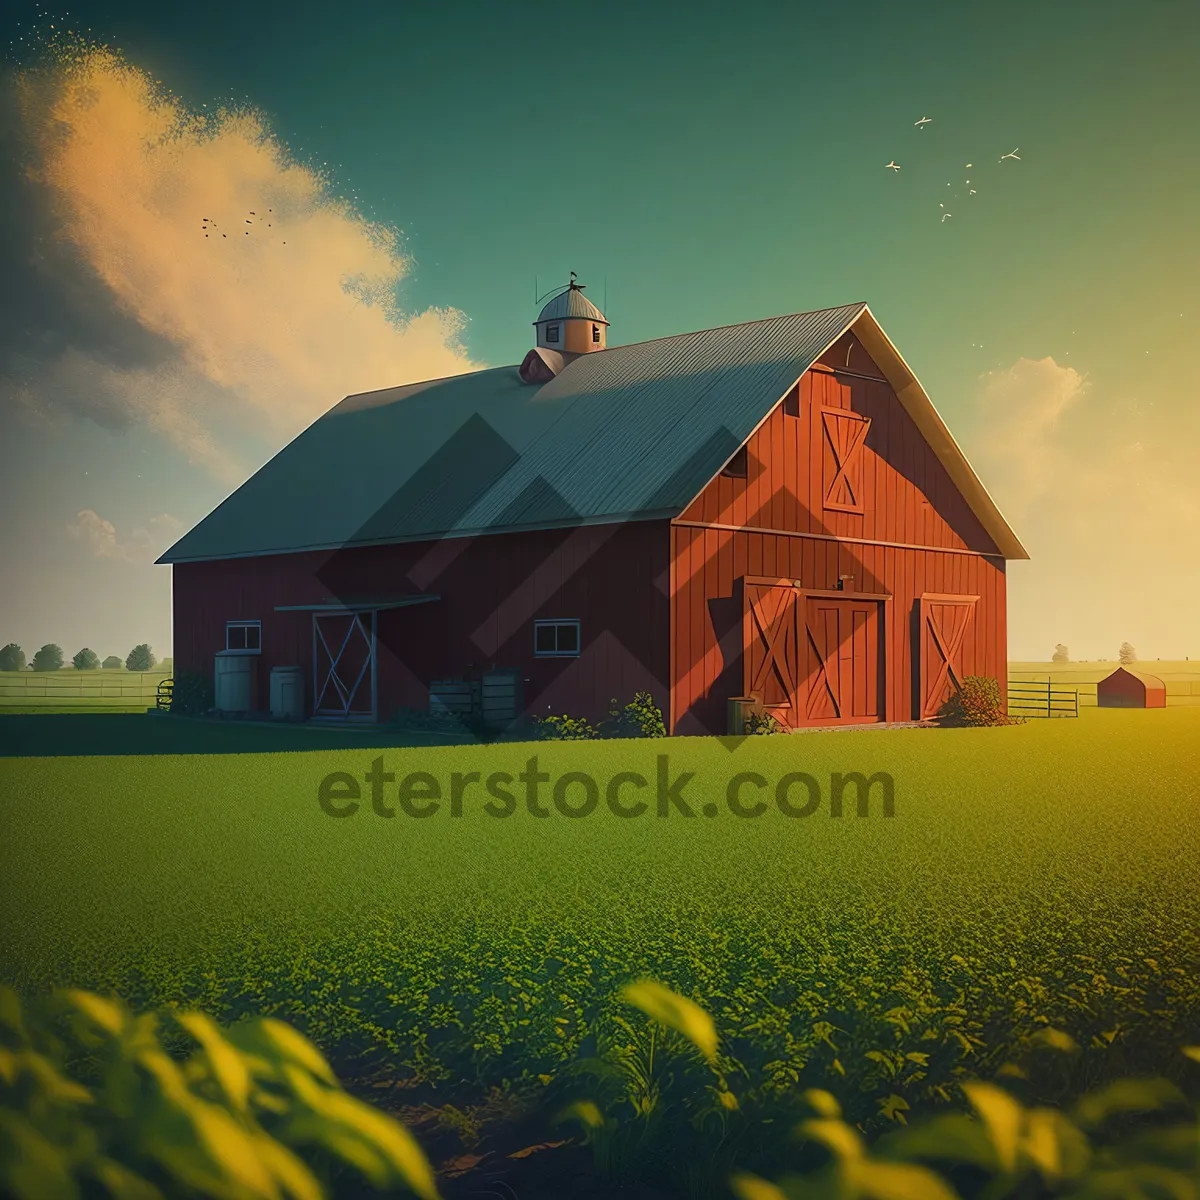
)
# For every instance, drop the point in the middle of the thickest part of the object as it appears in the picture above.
(1131, 689)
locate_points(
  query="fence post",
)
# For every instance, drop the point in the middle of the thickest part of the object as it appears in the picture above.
(1048, 698)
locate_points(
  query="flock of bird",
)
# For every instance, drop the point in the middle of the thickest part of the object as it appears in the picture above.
(210, 226)
(895, 166)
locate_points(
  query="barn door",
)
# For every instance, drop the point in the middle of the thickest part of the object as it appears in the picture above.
(770, 655)
(944, 621)
(845, 436)
(344, 665)
(843, 679)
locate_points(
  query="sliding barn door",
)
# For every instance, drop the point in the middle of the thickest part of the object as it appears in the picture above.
(770, 641)
(843, 662)
(944, 622)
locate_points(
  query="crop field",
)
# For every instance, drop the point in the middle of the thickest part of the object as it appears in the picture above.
(1182, 679)
(1042, 874)
(78, 691)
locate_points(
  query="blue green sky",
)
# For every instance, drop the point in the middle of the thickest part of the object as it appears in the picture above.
(697, 165)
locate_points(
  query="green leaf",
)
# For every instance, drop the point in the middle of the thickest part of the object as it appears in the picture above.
(1193, 1052)
(121, 1183)
(55, 1087)
(823, 1103)
(108, 1015)
(228, 1067)
(10, 1014)
(279, 1044)
(947, 1137)
(874, 1180)
(841, 1140)
(675, 1012)
(31, 1168)
(894, 1108)
(586, 1112)
(1002, 1116)
(297, 1180)
(1126, 1096)
(1054, 1145)
(1055, 1039)
(750, 1187)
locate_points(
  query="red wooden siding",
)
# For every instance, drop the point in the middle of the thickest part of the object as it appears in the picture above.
(612, 578)
(839, 482)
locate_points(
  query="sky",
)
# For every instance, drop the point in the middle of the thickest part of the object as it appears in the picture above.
(383, 187)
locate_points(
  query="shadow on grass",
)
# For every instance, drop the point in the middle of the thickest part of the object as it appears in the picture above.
(40, 735)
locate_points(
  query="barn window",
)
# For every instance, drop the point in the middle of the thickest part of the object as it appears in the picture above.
(595, 333)
(552, 333)
(736, 467)
(556, 639)
(244, 636)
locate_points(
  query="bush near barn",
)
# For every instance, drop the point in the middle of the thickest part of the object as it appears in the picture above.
(977, 702)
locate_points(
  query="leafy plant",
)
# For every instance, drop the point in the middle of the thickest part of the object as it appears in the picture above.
(97, 1101)
(1061, 654)
(1127, 655)
(762, 723)
(86, 660)
(563, 728)
(192, 694)
(12, 658)
(976, 702)
(641, 717)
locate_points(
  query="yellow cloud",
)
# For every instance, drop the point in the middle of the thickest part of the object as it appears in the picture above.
(288, 303)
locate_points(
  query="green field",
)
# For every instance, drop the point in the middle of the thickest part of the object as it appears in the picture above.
(1042, 873)
(69, 690)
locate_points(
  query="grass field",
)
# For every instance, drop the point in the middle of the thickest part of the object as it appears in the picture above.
(1042, 873)
(69, 690)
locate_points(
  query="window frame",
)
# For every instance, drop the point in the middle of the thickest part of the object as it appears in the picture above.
(243, 624)
(557, 623)
(596, 334)
(552, 332)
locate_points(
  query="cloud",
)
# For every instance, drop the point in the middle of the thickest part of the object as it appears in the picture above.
(240, 297)
(144, 545)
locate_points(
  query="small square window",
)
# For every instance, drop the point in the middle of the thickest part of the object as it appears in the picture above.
(244, 636)
(736, 468)
(556, 639)
(595, 333)
(552, 333)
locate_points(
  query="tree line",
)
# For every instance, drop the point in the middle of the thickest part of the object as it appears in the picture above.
(50, 658)
(1126, 656)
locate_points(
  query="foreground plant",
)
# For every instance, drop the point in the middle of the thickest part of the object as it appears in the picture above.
(97, 1101)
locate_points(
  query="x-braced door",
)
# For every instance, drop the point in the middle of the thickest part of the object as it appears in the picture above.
(843, 661)
(344, 665)
(944, 621)
(770, 641)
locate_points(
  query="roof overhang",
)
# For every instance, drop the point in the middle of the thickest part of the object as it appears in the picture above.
(918, 405)
(376, 604)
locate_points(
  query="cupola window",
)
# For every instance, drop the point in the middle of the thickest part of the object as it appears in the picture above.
(552, 333)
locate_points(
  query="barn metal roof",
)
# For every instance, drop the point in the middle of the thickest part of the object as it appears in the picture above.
(631, 432)
(571, 303)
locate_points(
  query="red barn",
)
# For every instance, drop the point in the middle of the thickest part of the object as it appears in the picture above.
(771, 509)
(1131, 689)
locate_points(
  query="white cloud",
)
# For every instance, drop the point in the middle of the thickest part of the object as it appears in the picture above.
(144, 544)
(287, 305)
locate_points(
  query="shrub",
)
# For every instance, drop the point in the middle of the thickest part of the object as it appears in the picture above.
(112, 663)
(564, 728)
(48, 658)
(86, 660)
(12, 658)
(761, 723)
(1127, 655)
(141, 658)
(641, 717)
(977, 702)
(96, 1101)
(1061, 654)
(192, 694)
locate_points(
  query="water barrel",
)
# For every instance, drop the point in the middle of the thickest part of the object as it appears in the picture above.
(287, 693)
(232, 681)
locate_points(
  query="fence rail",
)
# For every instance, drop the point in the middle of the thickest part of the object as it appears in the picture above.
(1042, 700)
(16, 687)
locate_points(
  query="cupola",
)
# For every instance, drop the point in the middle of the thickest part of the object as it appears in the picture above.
(568, 325)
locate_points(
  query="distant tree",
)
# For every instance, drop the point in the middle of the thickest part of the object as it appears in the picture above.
(112, 663)
(48, 658)
(167, 664)
(86, 660)
(1127, 654)
(1061, 653)
(12, 658)
(140, 658)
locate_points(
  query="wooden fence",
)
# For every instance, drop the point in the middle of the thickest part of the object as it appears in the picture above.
(91, 691)
(1042, 700)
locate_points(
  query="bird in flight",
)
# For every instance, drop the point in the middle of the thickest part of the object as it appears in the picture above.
(925, 121)
(945, 215)
(893, 166)
(1013, 154)
(972, 192)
